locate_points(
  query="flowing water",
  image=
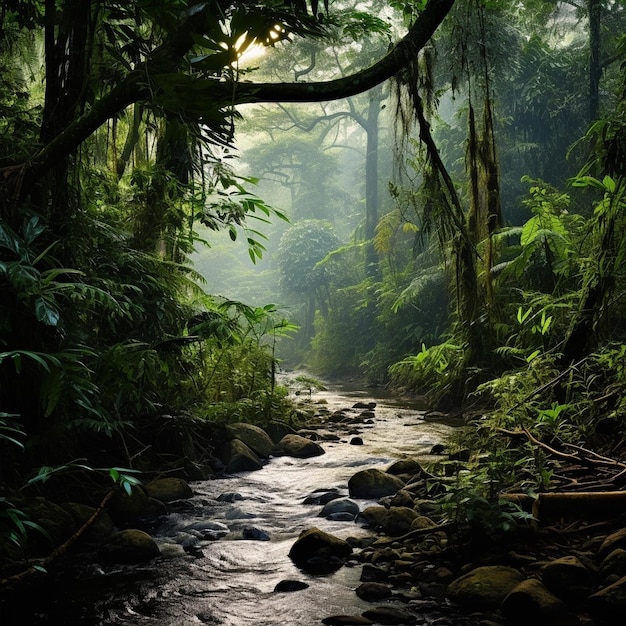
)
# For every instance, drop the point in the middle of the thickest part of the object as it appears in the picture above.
(210, 572)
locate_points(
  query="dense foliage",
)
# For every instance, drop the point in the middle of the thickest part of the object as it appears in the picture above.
(491, 275)
(116, 144)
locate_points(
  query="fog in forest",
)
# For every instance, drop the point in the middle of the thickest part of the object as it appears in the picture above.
(361, 264)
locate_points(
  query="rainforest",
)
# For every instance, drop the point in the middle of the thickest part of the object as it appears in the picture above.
(237, 233)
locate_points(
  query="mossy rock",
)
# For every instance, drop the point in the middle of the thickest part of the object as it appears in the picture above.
(317, 551)
(168, 489)
(130, 546)
(57, 524)
(124, 507)
(373, 483)
(485, 587)
(253, 436)
(241, 458)
(298, 447)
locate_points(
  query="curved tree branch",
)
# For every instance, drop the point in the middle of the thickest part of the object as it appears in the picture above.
(395, 60)
(139, 86)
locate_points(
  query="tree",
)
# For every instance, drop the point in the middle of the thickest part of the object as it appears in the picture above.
(101, 189)
(300, 254)
(207, 94)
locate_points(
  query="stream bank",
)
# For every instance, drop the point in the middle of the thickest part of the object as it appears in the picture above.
(209, 570)
(223, 553)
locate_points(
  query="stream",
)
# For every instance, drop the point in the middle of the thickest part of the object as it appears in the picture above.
(211, 571)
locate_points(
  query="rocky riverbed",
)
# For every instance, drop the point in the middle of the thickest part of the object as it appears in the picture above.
(373, 543)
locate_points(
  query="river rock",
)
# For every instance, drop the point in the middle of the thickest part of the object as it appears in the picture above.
(389, 615)
(323, 496)
(347, 620)
(567, 577)
(290, 585)
(612, 542)
(532, 602)
(102, 526)
(373, 573)
(277, 430)
(317, 551)
(341, 517)
(298, 447)
(229, 496)
(485, 587)
(251, 532)
(614, 564)
(240, 458)
(611, 600)
(364, 405)
(253, 436)
(402, 498)
(373, 591)
(127, 507)
(408, 466)
(130, 546)
(372, 516)
(373, 483)
(168, 489)
(206, 529)
(340, 505)
(397, 520)
(58, 524)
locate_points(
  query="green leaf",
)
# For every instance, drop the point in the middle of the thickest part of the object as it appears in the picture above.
(530, 231)
(587, 181)
(46, 312)
(33, 229)
(609, 184)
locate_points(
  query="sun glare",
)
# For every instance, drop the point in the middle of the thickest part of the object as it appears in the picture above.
(249, 51)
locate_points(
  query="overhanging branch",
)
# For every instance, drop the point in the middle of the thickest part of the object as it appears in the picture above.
(135, 88)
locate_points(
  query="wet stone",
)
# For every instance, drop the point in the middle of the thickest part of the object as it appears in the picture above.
(256, 534)
(373, 591)
(364, 405)
(346, 620)
(288, 586)
(229, 497)
(389, 615)
(322, 496)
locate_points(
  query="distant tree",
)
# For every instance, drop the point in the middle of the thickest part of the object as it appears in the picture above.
(299, 257)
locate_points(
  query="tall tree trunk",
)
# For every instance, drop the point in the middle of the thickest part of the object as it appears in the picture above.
(371, 180)
(595, 66)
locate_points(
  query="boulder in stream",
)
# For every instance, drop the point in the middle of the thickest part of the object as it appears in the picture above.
(290, 585)
(254, 533)
(319, 552)
(253, 436)
(340, 505)
(406, 466)
(298, 447)
(168, 489)
(130, 546)
(373, 483)
(240, 458)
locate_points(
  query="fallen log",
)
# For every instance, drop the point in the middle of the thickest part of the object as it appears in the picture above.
(590, 505)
